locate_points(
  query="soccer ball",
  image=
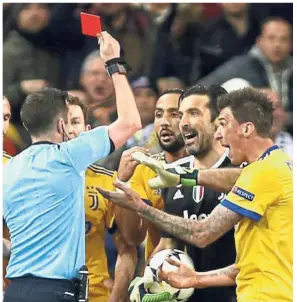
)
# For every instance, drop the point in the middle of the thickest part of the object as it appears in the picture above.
(157, 261)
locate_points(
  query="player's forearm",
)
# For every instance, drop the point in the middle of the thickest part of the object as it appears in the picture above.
(128, 121)
(131, 226)
(124, 272)
(221, 277)
(200, 233)
(6, 248)
(221, 180)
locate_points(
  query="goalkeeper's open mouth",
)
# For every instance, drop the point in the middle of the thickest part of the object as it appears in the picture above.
(190, 138)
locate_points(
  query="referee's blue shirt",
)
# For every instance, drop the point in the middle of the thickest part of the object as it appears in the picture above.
(43, 198)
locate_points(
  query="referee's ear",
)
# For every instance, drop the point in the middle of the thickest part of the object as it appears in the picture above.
(60, 126)
(25, 127)
(88, 127)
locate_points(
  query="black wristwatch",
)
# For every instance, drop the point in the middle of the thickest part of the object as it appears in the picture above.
(116, 67)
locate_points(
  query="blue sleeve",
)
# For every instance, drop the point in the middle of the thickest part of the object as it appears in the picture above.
(87, 148)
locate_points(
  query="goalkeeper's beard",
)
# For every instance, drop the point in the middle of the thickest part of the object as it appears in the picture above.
(174, 146)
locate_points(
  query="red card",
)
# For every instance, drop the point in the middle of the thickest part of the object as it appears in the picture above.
(90, 24)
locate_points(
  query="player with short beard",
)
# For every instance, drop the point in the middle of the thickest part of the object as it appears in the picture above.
(166, 123)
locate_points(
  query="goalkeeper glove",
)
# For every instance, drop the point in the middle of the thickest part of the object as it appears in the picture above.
(168, 175)
(138, 290)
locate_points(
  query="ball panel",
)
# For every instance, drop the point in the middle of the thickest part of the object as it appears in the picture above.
(157, 261)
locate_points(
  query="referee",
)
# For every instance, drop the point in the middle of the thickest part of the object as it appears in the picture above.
(43, 188)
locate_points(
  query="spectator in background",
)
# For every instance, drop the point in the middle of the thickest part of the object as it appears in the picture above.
(7, 19)
(169, 83)
(178, 33)
(234, 33)
(99, 88)
(29, 62)
(279, 136)
(267, 64)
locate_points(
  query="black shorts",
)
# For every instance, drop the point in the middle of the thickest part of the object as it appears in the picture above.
(33, 289)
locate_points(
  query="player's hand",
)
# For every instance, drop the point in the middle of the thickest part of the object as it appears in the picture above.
(168, 175)
(128, 164)
(138, 291)
(109, 47)
(127, 198)
(108, 283)
(31, 86)
(183, 277)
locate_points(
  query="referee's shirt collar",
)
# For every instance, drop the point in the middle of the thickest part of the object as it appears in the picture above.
(43, 142)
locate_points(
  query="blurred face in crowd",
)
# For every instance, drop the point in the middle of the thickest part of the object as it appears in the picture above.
(97, 83)
(6, 115)
(167, 123)
(146, 103)
(275, 41)
(157, 7)
(33, 17)
(196, 125)
(76, 121)
(279, 114)
(229, 132)
(234, 8)
(109, 9)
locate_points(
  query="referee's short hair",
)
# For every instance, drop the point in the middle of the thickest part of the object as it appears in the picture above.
(41, 110)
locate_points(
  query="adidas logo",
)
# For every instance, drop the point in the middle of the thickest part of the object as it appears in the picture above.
(178, 195)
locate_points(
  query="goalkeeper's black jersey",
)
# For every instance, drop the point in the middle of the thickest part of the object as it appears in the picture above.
(197, 203)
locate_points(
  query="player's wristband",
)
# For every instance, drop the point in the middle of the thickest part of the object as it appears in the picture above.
(188, 177)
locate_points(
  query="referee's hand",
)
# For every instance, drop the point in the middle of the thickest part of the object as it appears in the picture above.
(109, 47)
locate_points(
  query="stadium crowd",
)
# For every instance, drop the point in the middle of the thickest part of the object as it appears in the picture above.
(212, 48)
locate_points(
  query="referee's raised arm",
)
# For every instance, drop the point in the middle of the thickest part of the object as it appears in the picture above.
(128, 121)
(102, 141)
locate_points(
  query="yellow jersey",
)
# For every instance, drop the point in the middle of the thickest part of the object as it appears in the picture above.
(139, 183)
(99, 218)
(263, 195)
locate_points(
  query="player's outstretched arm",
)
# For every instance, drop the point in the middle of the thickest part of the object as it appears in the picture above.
(124, 269)
(185, 277)
(128, 121)
(221, 180)
(199, 233)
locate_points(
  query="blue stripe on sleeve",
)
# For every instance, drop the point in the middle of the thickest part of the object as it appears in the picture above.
(242, 211)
